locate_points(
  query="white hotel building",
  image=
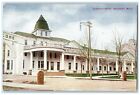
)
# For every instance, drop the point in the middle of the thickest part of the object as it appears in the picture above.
(27, 53)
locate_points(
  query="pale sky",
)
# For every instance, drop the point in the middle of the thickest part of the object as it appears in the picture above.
(64, 20)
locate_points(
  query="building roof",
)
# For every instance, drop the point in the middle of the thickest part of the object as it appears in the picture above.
(34, 36)
(41, 24)
(65, 41)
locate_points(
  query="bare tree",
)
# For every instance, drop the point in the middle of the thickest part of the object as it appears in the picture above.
(118, 42)
(86, 49)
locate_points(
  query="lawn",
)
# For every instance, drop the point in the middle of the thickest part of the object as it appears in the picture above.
(86, 75)
(116, 77)
(113, 76)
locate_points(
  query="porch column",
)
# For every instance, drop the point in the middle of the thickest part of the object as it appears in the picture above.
(98, 63)
(31, 60)
(62, 62)
(45, 59)
(117, 66)
(74, 63)
(132, 67)
(108, 68)
(124, 65)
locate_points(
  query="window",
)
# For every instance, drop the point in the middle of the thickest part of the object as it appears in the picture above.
(110, 68)
(11, 64)
(92, 68)
(8, 52)
(67, 56)
(47, 65)
(9, 37)
(104, 68)
(58, 65)
(46, 33)
(76, 66)
(33, 64)
(25, 54)
(55, 55)
(72, 57)
(41, 54)
(69, 66)
(6, 36)
(25, 42)
(33, 54)
(50, 55)
(34, 42)
(114, 69)
(41, 33)
(41, 42)
(83, 67)
(38, 64)
(23, 64)
(42, 64)
(100, 67)
(8, 64)
(52, 65)
(13, 37)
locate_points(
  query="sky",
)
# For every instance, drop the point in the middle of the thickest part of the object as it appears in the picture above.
(64, 20)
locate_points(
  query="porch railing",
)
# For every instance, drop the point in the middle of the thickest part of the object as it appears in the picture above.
(43, 46)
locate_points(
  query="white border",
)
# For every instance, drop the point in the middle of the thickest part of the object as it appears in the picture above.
(58, 1)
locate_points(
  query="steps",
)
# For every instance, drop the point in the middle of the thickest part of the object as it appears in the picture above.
(54, 73)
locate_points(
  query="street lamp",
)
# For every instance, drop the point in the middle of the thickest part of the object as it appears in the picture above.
(89, 25)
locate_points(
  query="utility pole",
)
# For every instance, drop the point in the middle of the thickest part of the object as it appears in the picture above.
(89, 66)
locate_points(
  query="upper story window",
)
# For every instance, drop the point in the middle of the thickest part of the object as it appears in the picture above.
(55, 55)
(25, 54)
(46, 33)
(8, 52)
(41, 42)
(34, 42)
(50, 55)
(6, 36)
(41, 54)
(10, 37)
(41, 33)
(67, 56)
(25, 42)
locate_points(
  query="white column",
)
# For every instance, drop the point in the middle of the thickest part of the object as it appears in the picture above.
(132, 66)
(74, 63)
(108, 68)
(62, 62)
(31, 60)
(45, 59)
(5, 60)
(124, 65)
(85, 65)
(98, 63)
(117, 66)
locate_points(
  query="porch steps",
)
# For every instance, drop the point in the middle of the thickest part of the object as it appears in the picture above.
(54, 74)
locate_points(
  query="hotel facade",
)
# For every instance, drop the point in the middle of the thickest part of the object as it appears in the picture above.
(28, 53)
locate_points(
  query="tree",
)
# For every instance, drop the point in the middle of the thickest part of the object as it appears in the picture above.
(86, 50)
(118, 42)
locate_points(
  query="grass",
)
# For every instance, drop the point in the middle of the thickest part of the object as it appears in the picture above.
(116, 77)
(113, 76)
(86, 75)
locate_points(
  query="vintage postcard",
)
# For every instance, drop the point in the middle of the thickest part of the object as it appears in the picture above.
(70, 47)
